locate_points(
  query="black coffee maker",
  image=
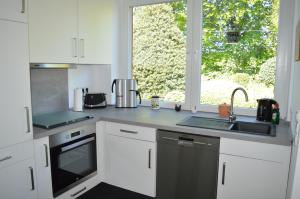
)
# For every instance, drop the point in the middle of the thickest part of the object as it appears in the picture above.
(265, 109)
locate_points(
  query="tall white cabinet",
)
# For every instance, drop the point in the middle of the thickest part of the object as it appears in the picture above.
(17, 167)
(70, 31)
(15, 117)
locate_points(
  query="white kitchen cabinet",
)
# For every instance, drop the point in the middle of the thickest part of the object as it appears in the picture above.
(53, 31)
(251, 170)
(15, 10)
(18, 181)
(43, 168)
(15, 117)
(95, 31)
(130, 157)
(249, 178)
(132, 164)
(70, 31)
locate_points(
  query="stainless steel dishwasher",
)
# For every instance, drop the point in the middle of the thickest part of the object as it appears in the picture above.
(187, 166)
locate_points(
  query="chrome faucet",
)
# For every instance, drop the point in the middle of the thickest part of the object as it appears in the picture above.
(232, 116)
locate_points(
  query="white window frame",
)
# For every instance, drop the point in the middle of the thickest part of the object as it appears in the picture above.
(194, 35)
(186, 104)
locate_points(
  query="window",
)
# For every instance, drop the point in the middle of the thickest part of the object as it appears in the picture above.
(159, 50)
(239, 44)
(197, 52)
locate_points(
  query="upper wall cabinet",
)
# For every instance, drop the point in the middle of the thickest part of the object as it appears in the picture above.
(15, 10)
(95, 31)
(70, 31)
(53, 31)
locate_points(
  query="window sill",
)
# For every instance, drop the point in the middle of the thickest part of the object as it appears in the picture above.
(237, 110)
(202, 108)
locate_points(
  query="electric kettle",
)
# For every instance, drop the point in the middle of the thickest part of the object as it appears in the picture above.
(126, 93)
(265, 109)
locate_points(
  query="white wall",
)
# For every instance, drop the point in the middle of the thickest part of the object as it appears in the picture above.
(94, 77)
(294, 180)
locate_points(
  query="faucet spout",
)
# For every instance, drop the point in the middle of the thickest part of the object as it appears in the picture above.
(232, 116)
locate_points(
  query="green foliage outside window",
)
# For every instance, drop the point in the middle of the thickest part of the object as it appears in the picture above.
(159, 47)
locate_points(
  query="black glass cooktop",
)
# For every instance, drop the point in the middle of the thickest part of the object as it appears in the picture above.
(57, 119)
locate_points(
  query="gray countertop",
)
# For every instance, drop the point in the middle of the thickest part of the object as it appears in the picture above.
(167, 119)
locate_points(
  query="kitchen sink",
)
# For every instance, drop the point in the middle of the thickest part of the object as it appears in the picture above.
(263, 129)
(207, 123)
(253, 128)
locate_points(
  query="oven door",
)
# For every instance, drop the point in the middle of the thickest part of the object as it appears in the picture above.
(73, 163)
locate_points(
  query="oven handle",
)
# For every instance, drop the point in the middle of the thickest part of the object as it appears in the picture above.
(77, 144)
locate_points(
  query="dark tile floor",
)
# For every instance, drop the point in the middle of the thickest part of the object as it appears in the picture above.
(106, 191)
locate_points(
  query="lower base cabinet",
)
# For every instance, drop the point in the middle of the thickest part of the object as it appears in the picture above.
(18, 181)
(250, 170)
(248, 178)
(131, 164)
(43, 168)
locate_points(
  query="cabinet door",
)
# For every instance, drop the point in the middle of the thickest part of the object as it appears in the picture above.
(15, 10)
(15, 117)
(18, 181)
(43, 168)
(247, 178)
(95, 31)
(53, 31)
(131, 164)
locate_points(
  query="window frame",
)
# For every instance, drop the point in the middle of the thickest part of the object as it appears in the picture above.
(164, 104)
(193, 55)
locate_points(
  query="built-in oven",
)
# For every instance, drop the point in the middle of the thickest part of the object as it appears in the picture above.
(73, 158)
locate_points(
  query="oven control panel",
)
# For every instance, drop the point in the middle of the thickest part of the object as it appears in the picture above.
(71, 135)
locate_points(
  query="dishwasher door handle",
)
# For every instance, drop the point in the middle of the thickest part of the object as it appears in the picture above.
(186, 141)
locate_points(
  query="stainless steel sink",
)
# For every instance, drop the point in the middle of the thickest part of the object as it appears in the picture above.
(263, 129)
(253, 128)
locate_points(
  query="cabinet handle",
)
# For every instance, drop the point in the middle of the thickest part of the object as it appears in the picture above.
(78, 192)
(5, 158)
(223, 173)
(149, 158)
(126, 131)
(74, 47)
(32, 178)
(23, 7)
(46, 155)
(82, 48)
(28, 119)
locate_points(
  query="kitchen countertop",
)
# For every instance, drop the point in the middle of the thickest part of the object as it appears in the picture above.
(167, 119)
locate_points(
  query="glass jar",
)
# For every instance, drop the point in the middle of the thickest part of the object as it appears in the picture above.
(155, 102)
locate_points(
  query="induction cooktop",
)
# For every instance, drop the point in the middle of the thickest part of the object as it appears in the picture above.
(57, 119)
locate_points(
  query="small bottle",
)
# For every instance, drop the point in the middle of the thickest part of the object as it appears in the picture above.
(275, 114)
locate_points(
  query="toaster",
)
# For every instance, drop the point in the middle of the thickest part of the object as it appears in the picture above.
(95, 100)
